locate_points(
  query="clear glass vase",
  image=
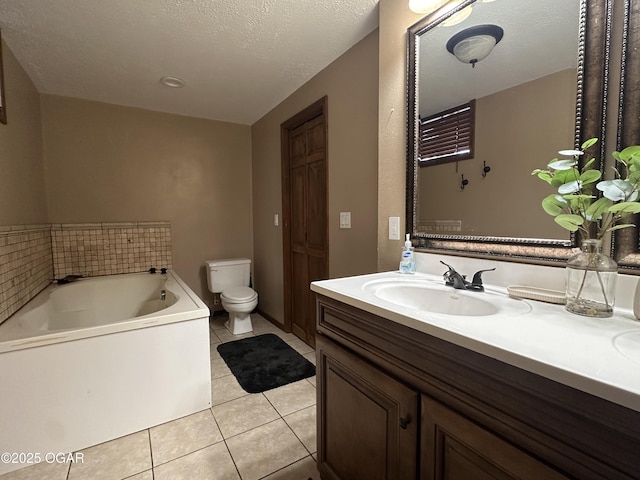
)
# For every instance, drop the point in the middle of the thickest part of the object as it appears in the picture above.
(591, 281)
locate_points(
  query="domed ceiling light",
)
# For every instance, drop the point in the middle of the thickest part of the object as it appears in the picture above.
(474, 43)
(425, 6)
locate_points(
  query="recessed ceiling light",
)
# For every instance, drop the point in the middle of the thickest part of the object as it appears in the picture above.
(173, 82)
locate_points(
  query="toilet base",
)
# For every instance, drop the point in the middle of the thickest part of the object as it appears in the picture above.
(239, 323)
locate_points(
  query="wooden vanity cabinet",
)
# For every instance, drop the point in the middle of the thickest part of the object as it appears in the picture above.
(395, 403)
(369, 419)
(460, 449)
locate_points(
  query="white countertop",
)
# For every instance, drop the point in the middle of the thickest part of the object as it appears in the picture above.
(595, 355)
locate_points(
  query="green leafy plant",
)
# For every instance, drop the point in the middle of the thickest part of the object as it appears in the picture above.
(576, 207)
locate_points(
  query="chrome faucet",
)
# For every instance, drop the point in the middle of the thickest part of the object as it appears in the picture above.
(456, 280)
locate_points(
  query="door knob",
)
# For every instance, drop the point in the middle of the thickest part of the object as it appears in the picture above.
(405, 421)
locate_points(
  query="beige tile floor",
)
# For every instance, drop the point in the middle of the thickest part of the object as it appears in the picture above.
(270, 435)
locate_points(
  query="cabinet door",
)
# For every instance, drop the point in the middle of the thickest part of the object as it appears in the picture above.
(454, 448)
(367, 421)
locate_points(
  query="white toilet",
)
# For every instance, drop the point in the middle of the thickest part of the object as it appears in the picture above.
(230, 278)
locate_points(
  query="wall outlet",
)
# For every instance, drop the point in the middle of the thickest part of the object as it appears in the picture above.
(394, 228)
(216, 304)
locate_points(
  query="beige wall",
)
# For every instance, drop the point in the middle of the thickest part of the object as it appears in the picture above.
(517, 130)
(107, 163)
(395, 18)
(351, 84)
(22, 192)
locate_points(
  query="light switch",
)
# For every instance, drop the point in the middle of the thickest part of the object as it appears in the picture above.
(394, 228)
(276, 220)
(345, 219)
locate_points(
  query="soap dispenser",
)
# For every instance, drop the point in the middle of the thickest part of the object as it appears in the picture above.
(407, 262)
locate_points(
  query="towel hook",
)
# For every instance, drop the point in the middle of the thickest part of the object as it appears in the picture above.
(464, 182)
(485, 169)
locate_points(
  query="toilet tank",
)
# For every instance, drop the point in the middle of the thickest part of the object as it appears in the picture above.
(230, 272)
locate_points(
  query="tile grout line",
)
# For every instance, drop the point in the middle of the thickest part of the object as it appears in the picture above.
(254, 428)
(286, 466)
(68, 471)
(181, 456)
(235, 465)
(260, 426)
(296, 435)
(151, 453)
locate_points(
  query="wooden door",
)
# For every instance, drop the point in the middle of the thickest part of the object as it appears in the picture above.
(305, 216)
(367, 422)
(455, 448)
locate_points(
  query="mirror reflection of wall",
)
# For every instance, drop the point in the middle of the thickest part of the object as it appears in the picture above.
(525, 92)
(514, 135)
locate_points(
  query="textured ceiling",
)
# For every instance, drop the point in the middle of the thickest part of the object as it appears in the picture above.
(239, 58)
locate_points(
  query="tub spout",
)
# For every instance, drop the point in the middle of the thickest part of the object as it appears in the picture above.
(68, 279)
(163, 294)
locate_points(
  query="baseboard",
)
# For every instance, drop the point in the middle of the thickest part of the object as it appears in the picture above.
(273, 320)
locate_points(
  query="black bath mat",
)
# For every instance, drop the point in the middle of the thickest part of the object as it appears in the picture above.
(264, 362)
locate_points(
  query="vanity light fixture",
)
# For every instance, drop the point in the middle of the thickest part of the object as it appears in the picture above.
(474, 43)
(425, 6)
(172, 82)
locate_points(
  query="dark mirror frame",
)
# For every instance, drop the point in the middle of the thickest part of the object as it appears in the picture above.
(3, 105)
(626, 242)
(593, 68)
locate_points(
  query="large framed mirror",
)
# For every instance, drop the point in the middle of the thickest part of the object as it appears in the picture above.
(626, 244)
(541, 89)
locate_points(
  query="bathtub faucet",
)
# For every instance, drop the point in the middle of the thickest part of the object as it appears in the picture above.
(68, 279)
(163, 294)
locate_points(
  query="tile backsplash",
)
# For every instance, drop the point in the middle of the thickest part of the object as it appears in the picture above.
(31, 256)
(25, 265)
(93, 249)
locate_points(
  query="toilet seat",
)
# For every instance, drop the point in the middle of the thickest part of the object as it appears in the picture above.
(238, 295)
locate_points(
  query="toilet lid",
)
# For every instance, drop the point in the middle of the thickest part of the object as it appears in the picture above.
(238, 294)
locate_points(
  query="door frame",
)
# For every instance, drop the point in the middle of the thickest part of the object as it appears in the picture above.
(317, 108)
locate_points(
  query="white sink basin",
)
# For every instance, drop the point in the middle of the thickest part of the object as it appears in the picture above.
(628, 344)
(431, 297)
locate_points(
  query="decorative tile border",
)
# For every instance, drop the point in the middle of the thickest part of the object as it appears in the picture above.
(31, 256)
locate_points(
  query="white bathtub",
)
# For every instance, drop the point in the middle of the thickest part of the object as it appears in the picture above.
(99, 358)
